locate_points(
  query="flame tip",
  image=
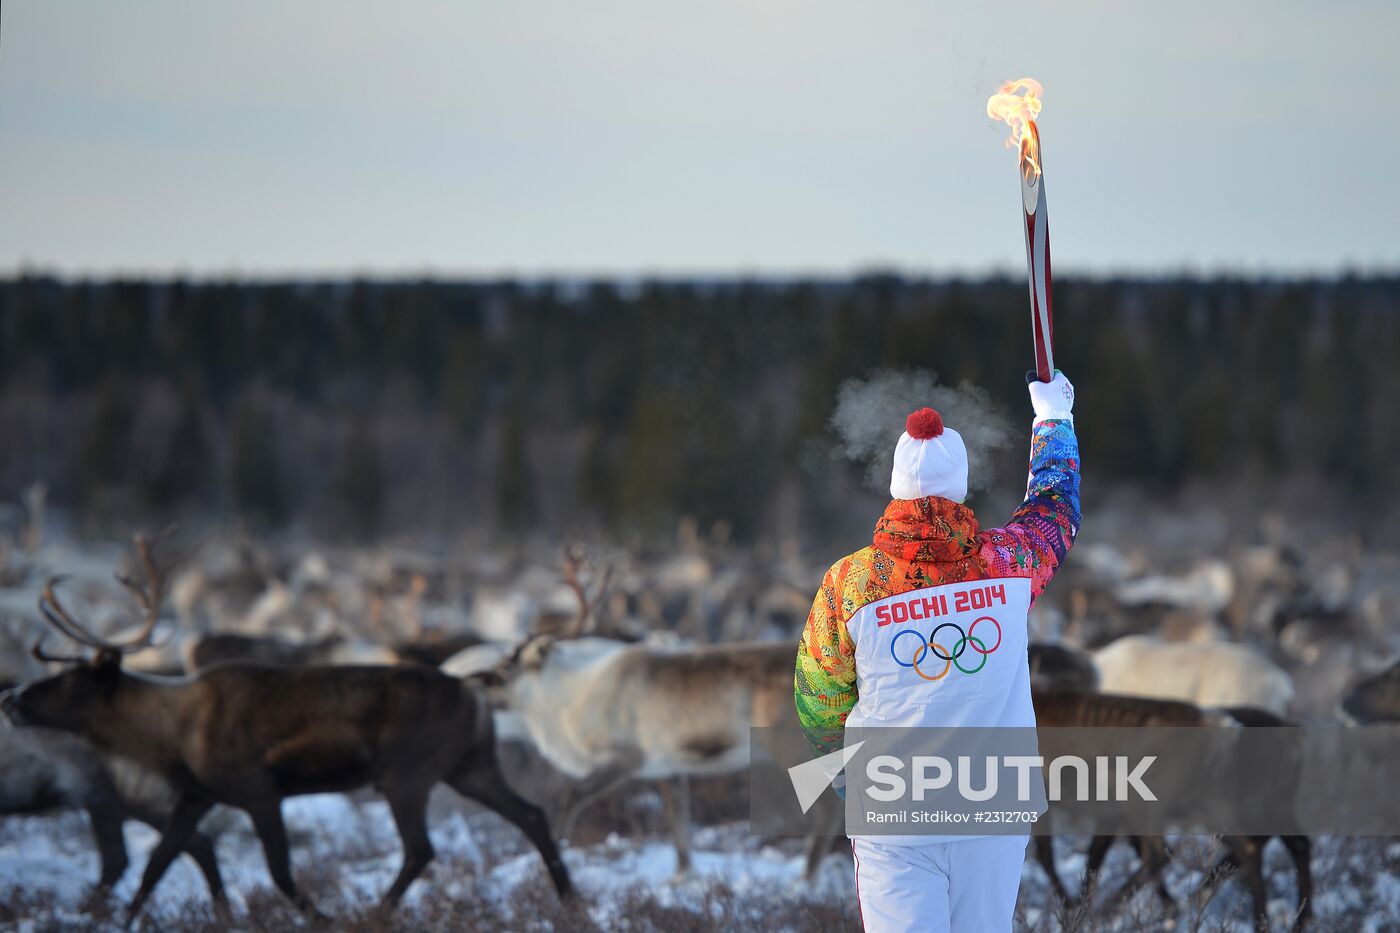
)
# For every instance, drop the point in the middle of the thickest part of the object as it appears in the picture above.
(1017, 104)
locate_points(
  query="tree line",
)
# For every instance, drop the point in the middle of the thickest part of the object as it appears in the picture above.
(369, 408)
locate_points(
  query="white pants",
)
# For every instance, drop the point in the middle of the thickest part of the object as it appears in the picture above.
(968, 886)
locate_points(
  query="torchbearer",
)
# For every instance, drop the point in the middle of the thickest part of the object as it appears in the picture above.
(871, 655)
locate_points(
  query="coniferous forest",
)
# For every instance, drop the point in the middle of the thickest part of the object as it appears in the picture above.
(419, 408)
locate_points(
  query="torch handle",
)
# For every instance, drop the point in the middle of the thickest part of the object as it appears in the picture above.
(1038, 264)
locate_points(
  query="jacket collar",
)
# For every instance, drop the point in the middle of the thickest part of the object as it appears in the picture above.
(927, 529)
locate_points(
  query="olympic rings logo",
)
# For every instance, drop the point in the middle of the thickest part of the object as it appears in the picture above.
(950, 659)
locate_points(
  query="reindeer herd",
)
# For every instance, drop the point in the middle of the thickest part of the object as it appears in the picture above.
(243, 683)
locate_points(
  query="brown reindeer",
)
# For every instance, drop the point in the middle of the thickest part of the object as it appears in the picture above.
(249, 736)
(404, 632)
(1374, 699)
(205, 651)
(1068, 707)
(45, 771)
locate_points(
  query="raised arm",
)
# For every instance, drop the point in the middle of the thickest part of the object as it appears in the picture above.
(1040, 532)
(824, 687)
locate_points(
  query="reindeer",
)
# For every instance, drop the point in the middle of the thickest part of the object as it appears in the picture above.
(1208, 674)
(398, 619)
(606, 712)
(206, 651)
(1054, 665)
(232, 594)
(1374, 699)
(44, 770)
(1205, 588)
(323, 638)
(1069, 707)
(249, 736)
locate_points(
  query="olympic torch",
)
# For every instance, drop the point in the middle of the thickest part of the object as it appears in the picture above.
(1017, 104)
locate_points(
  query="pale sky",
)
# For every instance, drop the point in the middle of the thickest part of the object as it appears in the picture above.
(671, 137)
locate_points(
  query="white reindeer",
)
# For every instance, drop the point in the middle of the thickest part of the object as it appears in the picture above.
(1208, 673)
(605, 712)
(1206, 588)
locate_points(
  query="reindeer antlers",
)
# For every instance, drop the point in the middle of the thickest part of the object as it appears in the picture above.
(148, 595)
(573, 560)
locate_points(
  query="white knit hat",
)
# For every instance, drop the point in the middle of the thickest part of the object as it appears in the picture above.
(929, 460)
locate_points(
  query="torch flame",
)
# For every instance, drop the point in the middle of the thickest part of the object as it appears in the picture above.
(1018, 111)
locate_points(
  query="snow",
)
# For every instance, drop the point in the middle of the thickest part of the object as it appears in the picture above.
(52, 859)
(47, 866)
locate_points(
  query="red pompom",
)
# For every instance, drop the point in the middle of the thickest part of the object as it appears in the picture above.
(924, 424)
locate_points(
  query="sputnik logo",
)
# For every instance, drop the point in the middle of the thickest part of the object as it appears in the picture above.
(811, 778)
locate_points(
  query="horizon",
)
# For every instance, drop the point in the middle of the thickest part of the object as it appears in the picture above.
(721, 278)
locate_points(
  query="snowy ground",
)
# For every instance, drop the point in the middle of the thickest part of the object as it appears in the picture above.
(487, 878)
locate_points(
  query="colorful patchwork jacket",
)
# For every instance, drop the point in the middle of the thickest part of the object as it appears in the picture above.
(963, 627)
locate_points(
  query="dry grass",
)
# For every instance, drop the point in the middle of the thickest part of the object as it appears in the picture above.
(1357, 883)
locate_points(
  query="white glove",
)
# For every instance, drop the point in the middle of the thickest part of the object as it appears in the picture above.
(1053, 399)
